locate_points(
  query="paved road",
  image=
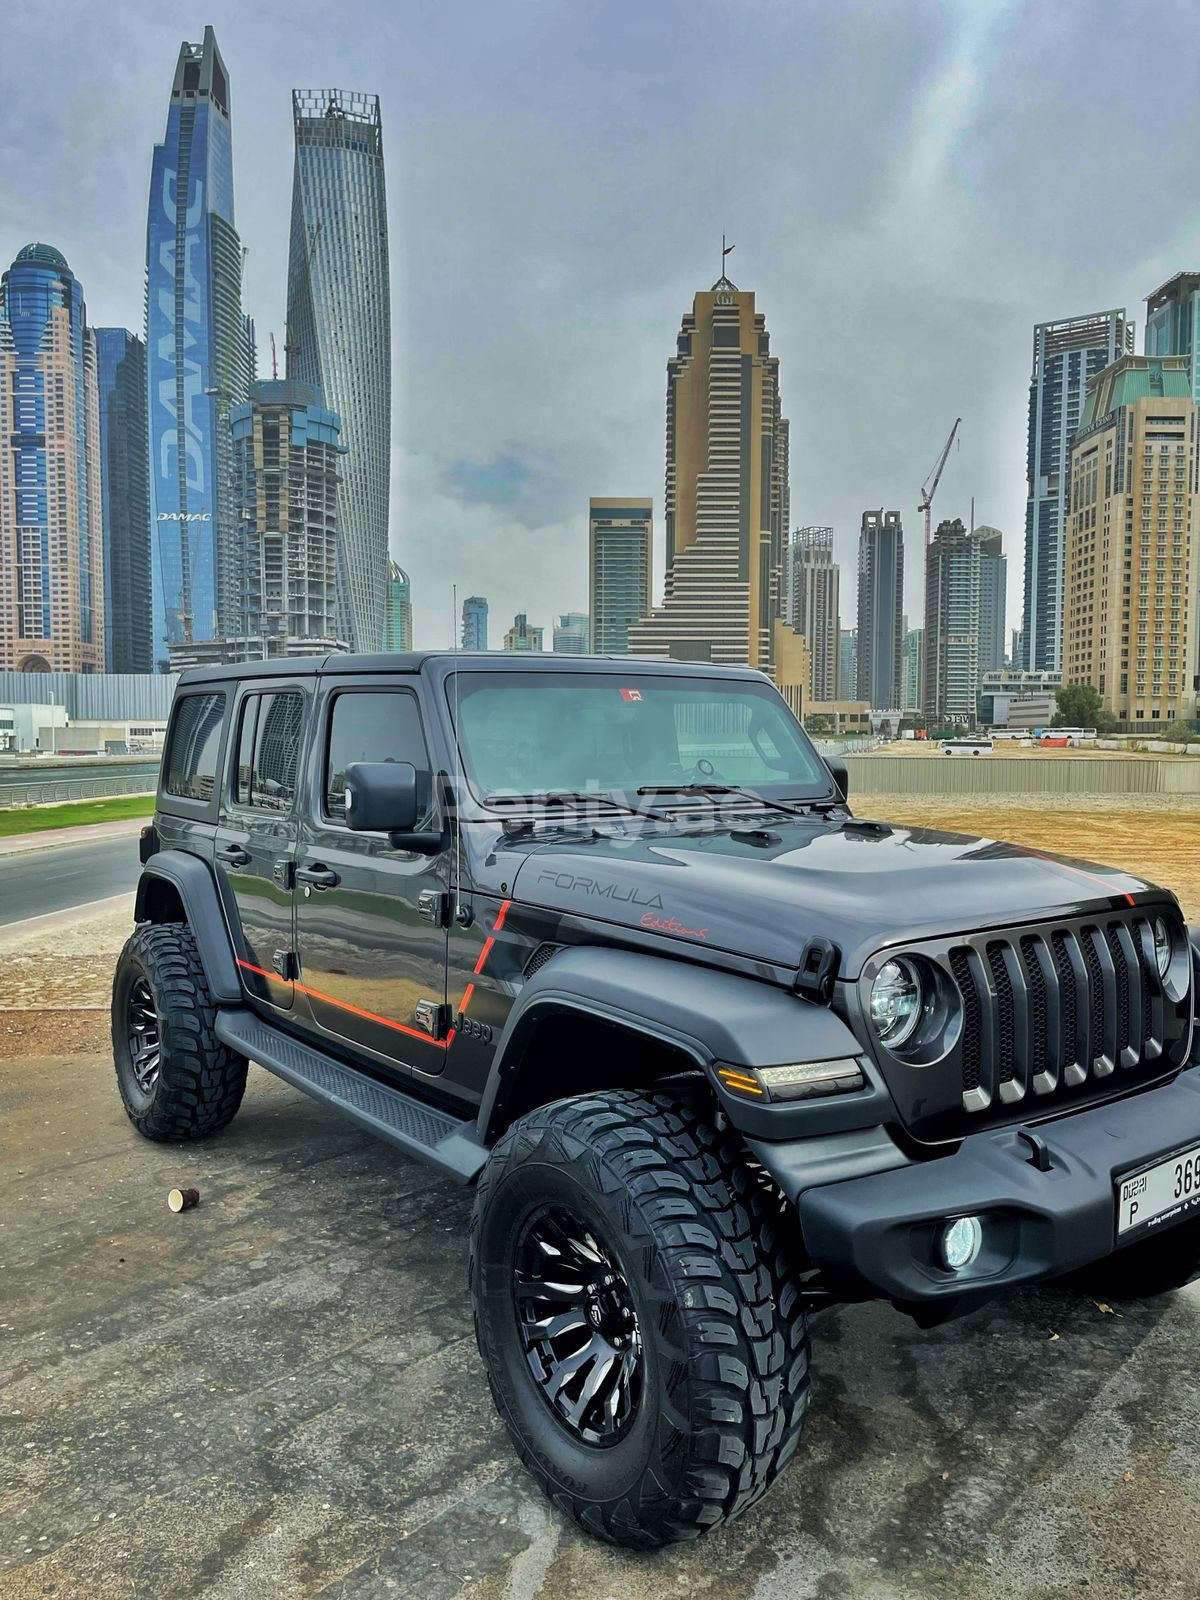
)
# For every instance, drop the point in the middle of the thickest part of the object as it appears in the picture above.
(276, 1396)
(67, 875)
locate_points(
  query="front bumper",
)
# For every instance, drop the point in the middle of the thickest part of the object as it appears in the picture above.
(878, 1233)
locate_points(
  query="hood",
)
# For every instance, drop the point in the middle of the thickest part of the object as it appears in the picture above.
(861, 885)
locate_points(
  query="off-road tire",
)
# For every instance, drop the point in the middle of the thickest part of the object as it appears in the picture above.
(725, 1341)
(200, 1080)
(1154, 1266)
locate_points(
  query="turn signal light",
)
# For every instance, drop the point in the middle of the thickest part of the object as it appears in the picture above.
(800, 1080)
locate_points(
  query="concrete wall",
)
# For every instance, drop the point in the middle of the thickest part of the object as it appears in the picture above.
(997, 774)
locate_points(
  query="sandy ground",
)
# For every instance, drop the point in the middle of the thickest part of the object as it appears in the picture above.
(1156, 836)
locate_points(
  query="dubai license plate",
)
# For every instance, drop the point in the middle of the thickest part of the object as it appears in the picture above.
(1159, 1195)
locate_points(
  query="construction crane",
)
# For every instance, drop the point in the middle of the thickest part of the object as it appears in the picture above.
(929, 487)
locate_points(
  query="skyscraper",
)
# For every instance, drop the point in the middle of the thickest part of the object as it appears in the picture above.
(521, 636)
(571, 634)
(1133, 546)
(475, 622)
(812, 604)
(199, 357)
(726, 495)
(1173, 323)
(125, 482)
(952, 626)
(51, 556)
(287, 456)
(912, 669)
(339, 326)
(620, 549)
(397, 622)
(1065, 355)
(847, 664)
(993, 598)
(880, 608)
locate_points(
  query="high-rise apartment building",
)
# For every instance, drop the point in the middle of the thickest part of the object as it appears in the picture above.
(1173, 323)
(912, 670)
(952, 626)
(287, 457)
(1133, 549)
(475, 622)
(521, 636)
(199, 359)
(993, 598)
(125, 501)
(1065, 355)
(571, 633)
(812, 604)
(620, 552)
(339, 325)
(397, 622)
(880, 608)
(726, 497)
(51, 521)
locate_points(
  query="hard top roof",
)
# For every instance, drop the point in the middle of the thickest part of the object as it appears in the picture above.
(444, 661)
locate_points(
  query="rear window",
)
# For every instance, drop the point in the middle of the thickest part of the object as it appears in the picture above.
(268, 750)
(190, 765)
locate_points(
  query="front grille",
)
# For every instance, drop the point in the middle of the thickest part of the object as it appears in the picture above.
(1051, 1012)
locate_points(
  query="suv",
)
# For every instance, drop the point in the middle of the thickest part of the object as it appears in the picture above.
(602, 937)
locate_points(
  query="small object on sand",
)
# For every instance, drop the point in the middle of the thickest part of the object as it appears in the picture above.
(183, 1199)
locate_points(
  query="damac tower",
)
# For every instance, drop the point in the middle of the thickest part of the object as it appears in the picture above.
(199, 356)
(339, 328)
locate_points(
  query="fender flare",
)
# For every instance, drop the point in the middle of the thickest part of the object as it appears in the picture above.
(706, 1016)
(193, 881)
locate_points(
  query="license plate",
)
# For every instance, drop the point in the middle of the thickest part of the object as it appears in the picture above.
(1159, 1195)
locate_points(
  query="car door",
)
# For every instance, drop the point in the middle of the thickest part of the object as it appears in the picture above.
(255, 840)
(370, 920)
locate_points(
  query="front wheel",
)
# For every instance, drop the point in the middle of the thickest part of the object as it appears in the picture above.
(638, 1315)
(177, 1079)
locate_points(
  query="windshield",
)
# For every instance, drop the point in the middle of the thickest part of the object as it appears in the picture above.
(530, 734)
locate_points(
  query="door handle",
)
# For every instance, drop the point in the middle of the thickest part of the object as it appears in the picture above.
(234, 855)
(319, 877)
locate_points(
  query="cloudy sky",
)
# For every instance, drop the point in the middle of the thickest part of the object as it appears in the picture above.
(911, 185)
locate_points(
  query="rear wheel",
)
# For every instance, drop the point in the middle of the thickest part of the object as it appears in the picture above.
(638, 1315)
(177, 1079)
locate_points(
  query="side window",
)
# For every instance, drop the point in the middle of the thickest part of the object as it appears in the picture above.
(365, 725)
(190, 767)
(269, 750)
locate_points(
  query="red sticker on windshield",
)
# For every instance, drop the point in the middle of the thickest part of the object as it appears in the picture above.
(631, 694)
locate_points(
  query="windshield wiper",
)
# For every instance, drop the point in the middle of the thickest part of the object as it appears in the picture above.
(712, 791)
(575, 798)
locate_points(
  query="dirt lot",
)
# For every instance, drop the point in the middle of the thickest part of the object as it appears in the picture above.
(1157, 836)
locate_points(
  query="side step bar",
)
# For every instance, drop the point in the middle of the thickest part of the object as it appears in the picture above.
(418, 1129)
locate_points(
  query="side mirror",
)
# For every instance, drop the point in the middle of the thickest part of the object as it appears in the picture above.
(840, 773)
(382, 797)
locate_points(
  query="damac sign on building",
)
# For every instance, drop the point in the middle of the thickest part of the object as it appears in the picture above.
(184, 516)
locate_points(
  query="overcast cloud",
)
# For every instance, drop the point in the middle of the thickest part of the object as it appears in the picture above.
(911, 185)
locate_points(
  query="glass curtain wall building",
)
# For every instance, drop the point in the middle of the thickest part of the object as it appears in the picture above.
(199, 357)
(620, 540)
(1065, 355)
(51, 558)
(125, 473)
(339, 327)
(397, 624)
(475, 622)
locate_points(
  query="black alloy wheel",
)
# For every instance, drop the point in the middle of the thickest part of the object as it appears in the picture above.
(145, 1046)
(578, 1325)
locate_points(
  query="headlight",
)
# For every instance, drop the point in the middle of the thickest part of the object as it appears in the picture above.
(896, 998)
(1164, 946)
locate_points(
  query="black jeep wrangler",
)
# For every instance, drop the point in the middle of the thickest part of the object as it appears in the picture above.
(603, 937)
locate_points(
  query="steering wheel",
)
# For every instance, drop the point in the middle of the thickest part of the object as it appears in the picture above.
(705, 772)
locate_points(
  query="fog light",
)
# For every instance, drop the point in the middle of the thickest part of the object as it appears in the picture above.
(961, 1242)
